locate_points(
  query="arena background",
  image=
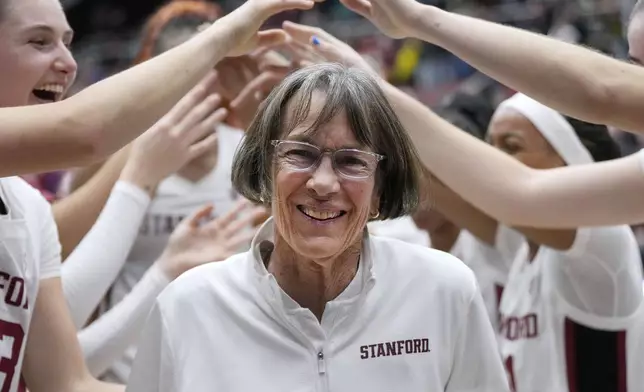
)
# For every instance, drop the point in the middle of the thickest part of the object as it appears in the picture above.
(107, 33)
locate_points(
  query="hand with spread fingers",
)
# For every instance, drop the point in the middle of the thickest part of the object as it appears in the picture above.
(250, 17)
(184, 133)
(246, 80)
(272, 69)
(197, 241)
(315, 45)
(394, 18)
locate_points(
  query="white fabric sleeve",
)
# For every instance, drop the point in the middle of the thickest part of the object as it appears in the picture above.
(640, 155)
(477, 364)
(50, 248)
(93, 266)
(107, 338)
(154, 365)
(601, 273)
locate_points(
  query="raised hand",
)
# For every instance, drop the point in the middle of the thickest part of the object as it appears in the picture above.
(395, 18)
(236, 74)
(313, 44)
(184, 133)
(197, 241)
(252, 14)
(272, 68)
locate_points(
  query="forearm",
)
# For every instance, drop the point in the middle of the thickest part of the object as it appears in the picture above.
(483, 176)
(96, 122)
(90, 198)
(462, 214)
(105, 340)
(571, 79)
(512, 193)
(94, 264)
(81, 175)
(132, 101)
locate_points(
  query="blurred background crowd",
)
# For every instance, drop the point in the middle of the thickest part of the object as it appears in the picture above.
(108, 33)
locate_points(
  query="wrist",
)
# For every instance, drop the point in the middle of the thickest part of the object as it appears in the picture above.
(424, 22)
(167, 267)
(133, 175)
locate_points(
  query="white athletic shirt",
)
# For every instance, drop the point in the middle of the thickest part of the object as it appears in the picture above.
(403, 229)
(570, 318)
(489, 265)
(29, 252)
(176, 198)
(412, 319)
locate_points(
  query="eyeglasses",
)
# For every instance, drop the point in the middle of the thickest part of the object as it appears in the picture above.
(349, 163)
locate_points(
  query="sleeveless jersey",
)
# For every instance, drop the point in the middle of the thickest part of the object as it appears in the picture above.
(175, 199)
(572, 320)
(29, 252)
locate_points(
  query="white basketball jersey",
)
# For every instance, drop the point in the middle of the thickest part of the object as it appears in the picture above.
(175, 199)
(403, 229)
(572, 320)
(29, 251)
(490, 267)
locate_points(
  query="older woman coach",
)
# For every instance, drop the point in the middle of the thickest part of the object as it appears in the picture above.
(317, 303)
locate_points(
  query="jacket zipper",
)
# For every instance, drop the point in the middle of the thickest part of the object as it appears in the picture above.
(321, 365)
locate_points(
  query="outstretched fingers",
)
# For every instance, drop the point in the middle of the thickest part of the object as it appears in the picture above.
(197, 217)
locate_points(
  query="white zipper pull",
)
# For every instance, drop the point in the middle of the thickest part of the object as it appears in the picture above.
(321, 367)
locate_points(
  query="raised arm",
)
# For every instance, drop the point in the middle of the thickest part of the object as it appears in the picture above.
(161, 151)
(181, 135)
(106, 116)
(593, 87)
(497, 184)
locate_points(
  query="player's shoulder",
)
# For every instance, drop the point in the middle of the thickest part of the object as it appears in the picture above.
(422, 266)
(22, 190)
(604, 240)
(23, 200)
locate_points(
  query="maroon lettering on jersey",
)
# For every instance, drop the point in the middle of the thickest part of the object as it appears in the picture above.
(13, 290)
(525, 327)
(159, 224)
(396, 347)
(9, 364)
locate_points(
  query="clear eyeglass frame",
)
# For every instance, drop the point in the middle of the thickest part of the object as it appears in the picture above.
(371, 158)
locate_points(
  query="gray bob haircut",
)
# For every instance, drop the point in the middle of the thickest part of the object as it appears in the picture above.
(371, 118)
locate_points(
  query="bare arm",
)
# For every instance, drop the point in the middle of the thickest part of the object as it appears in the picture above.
(592, 87)
(515, 194)
(106, 116)
(89, 198)
(53, 359)
(81, 175)
(460, 161)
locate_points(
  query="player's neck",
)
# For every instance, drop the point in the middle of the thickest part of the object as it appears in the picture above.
(200, 167)
(312, 283)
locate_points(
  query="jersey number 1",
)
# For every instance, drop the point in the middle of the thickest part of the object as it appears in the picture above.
(8, 364)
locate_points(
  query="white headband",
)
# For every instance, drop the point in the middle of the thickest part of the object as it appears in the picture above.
(553, 126)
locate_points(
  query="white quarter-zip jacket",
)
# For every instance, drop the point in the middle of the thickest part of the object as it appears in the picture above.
(411, 320)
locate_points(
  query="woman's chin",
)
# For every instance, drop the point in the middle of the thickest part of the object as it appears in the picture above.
(319, 247)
